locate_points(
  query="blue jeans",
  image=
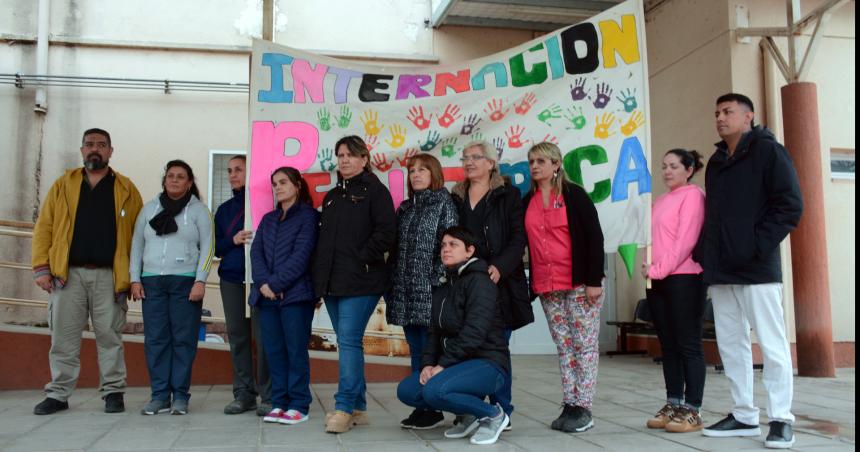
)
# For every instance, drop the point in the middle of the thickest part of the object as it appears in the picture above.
(285, 332)
(349, 317)
(459, 389)
(171, 324)
(416, 337)
(503, 396)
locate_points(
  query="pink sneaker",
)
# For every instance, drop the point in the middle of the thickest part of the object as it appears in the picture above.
(293, 417)
(274, 415)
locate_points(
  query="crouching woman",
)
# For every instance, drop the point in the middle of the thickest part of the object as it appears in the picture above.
(466, 355)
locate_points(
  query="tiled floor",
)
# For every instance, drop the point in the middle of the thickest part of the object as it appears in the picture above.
(630, 390)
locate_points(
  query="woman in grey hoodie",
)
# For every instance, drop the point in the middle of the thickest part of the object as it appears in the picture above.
(171, 256)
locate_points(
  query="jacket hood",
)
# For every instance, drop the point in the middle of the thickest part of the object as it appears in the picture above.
(473, 265)
(426, 197)
(756, 134)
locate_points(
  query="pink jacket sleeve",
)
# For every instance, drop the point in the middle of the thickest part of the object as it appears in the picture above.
(692, 217)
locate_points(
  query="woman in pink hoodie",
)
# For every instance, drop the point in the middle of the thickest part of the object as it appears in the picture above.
(677, 296)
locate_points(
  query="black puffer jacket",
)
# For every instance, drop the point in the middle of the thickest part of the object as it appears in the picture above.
(357, 228)
(753, 201)
(465, 320)
(504, 236)
(421, 220)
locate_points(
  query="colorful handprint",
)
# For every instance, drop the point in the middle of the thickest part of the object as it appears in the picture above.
(344, 118)
(448, 146)
(470, 125)
(431, 142)
(576, 118)
(324, 119)
(603, 123)
(604, 91)
(525, 104)
(451, 114)
(549, 138)
(628, 99)
(370, 119)
(398, 136)
(404, 159)
(416, 116)
(381, 162)
(494, 110)
(551, 112)
(499, 144)
(636, 120)
(514, 137)
(577, 90)
(371, 141)
(326, 157)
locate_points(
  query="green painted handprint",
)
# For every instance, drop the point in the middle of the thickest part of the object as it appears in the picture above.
(325, 157)
(551, 112)
(324, 119)
(576, 118)
(448, 147)
(344, 118)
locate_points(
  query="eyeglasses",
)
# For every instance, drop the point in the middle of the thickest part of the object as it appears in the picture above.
(474, 158)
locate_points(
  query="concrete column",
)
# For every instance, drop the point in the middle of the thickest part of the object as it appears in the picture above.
(813, 321)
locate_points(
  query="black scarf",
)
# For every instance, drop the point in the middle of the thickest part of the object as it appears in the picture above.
(164, 223)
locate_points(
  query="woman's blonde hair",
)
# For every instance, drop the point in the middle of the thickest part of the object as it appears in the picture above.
(550, 151)
(490, 154)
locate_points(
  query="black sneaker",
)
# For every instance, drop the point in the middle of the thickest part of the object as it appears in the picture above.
(578, 421)
(730, 427)
(50, 406)
(780, 436)
(428, 419)
(409, 422)
(114, 403)
(241, 405)
(565, 413)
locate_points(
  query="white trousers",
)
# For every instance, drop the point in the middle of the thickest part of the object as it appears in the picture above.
(737, 307)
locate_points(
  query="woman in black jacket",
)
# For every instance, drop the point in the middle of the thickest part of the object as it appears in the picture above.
(492, 210)
(566, 269)
(357, 228)
(421, 220)
(466, 357)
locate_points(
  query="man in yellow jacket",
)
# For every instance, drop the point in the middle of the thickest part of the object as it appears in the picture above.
(81, 246)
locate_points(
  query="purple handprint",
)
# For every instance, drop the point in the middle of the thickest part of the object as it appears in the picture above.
(604, 91)
(470, 124)
(577, 91)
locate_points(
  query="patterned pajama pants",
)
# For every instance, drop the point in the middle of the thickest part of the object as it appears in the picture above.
(574, 324)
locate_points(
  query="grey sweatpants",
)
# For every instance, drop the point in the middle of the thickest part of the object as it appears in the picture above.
(88, 294)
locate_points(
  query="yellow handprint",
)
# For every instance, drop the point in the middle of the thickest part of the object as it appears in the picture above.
(636, 120)
(603, 123)
(371, 127)
(398, 136)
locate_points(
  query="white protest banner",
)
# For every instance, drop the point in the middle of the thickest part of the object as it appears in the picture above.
(583, 87)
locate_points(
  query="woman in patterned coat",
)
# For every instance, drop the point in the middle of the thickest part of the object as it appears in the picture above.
(421, 219)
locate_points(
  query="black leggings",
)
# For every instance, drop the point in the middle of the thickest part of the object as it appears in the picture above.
(677, 307)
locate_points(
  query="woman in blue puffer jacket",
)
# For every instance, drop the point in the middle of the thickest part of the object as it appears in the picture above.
(283, 293)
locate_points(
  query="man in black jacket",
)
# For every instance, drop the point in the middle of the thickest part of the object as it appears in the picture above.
(753, 202)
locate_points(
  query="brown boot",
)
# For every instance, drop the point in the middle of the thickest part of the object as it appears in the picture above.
(338, 422)
(360, 418)
(685, 420)
(662, 417)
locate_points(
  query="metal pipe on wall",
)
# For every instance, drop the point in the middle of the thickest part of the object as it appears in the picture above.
(44, 25)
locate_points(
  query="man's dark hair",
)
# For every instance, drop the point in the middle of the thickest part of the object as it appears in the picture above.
(740, 99)
(98, 131)
(462, 234)
(239, 157)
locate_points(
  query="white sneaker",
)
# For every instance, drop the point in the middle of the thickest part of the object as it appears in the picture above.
(274, 416)
(292, 417)
(490, 428)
